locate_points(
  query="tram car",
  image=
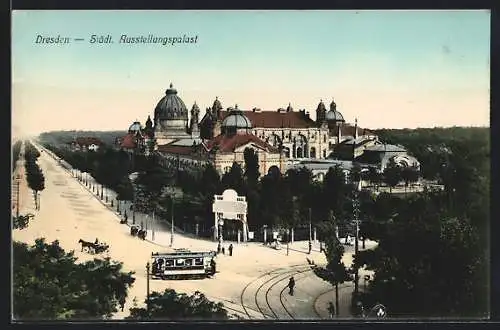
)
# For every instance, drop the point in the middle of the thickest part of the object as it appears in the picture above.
(182, 264)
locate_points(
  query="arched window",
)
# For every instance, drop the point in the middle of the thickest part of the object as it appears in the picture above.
(313, 152)
(299, 153)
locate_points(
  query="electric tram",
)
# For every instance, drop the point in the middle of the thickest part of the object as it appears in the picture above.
(182, 264)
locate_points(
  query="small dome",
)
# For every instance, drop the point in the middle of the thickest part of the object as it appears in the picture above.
(135, 127)
(334, 115)
(236, 119)
(171, 106)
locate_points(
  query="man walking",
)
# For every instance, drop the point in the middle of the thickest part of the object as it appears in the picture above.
(122, 303)
(291, 285)
(213, 265)
(310, 247)
(231, 250)
(331, 309)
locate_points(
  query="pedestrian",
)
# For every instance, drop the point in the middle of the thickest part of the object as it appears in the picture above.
(218, 248)
(122, 302)
(310, 247)
(291, 285)
(331, 309)
(223, 250)
(213, 265)
(230, 250)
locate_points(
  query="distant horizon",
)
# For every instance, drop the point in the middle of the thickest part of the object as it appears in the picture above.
(388, 69)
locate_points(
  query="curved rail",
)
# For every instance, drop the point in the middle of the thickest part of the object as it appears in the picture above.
(258, 289)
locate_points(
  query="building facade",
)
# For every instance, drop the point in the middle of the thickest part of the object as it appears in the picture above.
(85, 144)
(176, 138)
(293, 131)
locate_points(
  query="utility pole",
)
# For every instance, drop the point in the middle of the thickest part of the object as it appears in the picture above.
(172, 233)
(147, 286)
(310, 226)
(133, 208)
(18, 184)
(356, 238)
(153, 227)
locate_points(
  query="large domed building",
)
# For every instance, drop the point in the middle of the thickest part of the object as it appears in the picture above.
(170, 118)
(175, 136)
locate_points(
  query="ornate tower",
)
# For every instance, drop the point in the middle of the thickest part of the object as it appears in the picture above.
(194, 128)
(320, 112)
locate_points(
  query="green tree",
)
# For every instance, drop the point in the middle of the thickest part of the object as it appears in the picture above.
(49, 283)
(374, 177)
(22, 221)
(170, 305)
(252, 173)
(392, 174)
(409, 175)
(335, 271)
(409, 262)
(233, 179)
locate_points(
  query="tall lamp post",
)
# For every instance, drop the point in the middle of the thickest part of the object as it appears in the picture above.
(147, 286)
(18, 179)
(310, 226)
(355, 205)
(221, 224)
(172, 218)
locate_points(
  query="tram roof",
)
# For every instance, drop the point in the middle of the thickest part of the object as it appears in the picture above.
(183, 254)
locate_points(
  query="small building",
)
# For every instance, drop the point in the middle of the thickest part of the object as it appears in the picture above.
(85, 144)
(138, 140)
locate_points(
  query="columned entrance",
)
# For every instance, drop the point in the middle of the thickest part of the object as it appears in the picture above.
(226, 207)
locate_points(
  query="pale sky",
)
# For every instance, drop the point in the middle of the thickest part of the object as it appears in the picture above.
(390, 69)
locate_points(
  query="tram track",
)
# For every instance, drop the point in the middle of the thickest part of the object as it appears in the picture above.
(281, 294)
(284, 276)
(287, 271)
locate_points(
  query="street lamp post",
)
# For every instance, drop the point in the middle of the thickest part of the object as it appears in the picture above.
(310, 226)
(147, 286)
(356, 237)
(265, 233)
(172, 218)
(18, 184)
(153, 225)
(133, 205)
(221, 224)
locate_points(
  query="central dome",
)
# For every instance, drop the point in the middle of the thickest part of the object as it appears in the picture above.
(171, 106)
(236, 119)
(334, 115)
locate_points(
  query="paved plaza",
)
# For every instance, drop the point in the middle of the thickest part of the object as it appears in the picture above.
(251, 283)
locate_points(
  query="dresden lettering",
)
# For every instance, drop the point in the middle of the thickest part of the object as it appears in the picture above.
(52, 40)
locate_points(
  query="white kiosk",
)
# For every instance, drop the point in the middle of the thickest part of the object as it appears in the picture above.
(230, 206)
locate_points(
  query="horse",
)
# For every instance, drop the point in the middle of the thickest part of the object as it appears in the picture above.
(88, 245)
(142, 234)
(134, 231)
(100, 248)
